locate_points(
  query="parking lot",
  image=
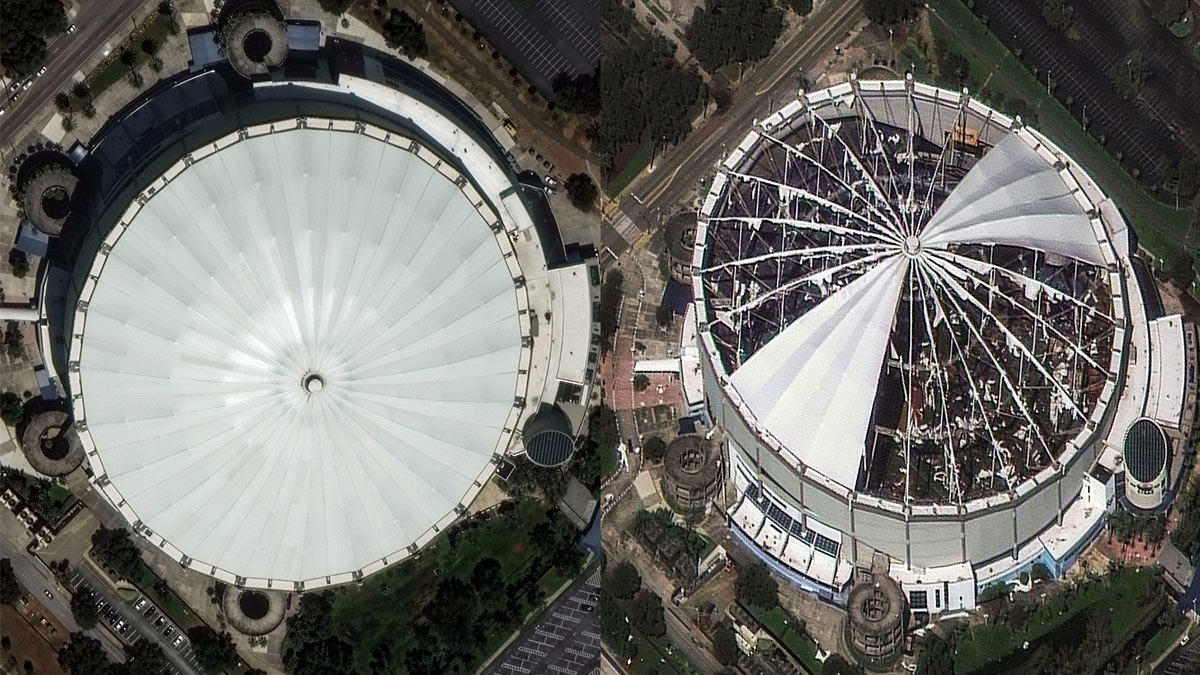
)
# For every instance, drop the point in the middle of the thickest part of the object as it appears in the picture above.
(1082, 70)
(551, 38)
(139, 621)
(567, 641)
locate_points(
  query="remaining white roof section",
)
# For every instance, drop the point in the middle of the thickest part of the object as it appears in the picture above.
(571, 321)
(689, 360)
(813, 385)
(346, 252)
(1168, 366)
(1015, 196)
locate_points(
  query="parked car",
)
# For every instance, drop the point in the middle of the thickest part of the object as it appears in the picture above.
(71, 29)
(178, 641)
(41, 72)
(168, 631)
(140, 604)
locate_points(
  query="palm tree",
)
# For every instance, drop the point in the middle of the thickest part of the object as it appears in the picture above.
(127, 57)
(167, 9)
(62, 101)
(80, 90)
(89, 110)
(150, 46)
(68, 124)
(135, 78)
(156, 64)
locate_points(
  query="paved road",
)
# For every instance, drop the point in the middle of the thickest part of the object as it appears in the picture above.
(698, 651)
(96, 22)
(1184, 660)
(771, 83)
(566, 638)
(180, 658)
(34, 580)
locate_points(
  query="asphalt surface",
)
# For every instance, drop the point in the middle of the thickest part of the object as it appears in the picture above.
(1185, 660)
(1082, 69)
(550, 38)
(95, 23)
(772, 82)
(33, 579)
(566, 637)
(140, 627)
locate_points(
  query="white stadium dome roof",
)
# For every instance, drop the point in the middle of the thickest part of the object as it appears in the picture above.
(302, 351)
(854, 260)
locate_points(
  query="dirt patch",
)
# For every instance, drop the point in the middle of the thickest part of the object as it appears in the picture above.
(28, 643)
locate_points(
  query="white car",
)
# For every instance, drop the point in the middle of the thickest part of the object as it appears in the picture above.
(41, 72)
(550, 181)
(71, 28)
(140, 604)
(178, 641)
(26, 83)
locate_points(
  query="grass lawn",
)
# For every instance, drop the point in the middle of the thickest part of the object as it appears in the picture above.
(168, 602)
(1122, 600)
(608, 462)
(1160, 227)
(633, 167)
(1160, 644)
(799, 645)
(383, 608)
(660, 656)
(107, 74)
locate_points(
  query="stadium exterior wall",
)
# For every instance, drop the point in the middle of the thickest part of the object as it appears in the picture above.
(923, 536)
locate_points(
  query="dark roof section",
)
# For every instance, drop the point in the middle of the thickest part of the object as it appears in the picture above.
(1150, 297)
(548, 439)
(1145, 450)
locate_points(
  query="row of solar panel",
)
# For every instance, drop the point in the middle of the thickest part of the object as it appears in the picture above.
(826, 545)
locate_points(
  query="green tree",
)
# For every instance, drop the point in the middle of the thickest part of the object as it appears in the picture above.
(214, 651)
(116, 549)
(733, 31)
(1129, 74)
(150, 46)
(646, 614)
(81, 90)
(12, 410)
(1059, 15)
(756, 586)
(641, 381)
(610, 306)
(335, 6)
(837, 665)
(886, 12)
(653, 448)
(405, 33)
(68, 124)
(144, 658)
(937, 656)
(127, 57)
(62, 102)
(725, 646)
(582, 191)
(579, 94)
(83, 608)
(14, 341)
(801, 7)
(83, 655)
(24, 27)
(9, 589)
(19, 262)
(623, 580)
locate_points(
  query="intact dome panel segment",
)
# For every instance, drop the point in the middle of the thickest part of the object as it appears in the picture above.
(301, 352)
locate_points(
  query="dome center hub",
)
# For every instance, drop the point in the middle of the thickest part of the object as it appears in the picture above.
(313, 383)
(912, 245)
